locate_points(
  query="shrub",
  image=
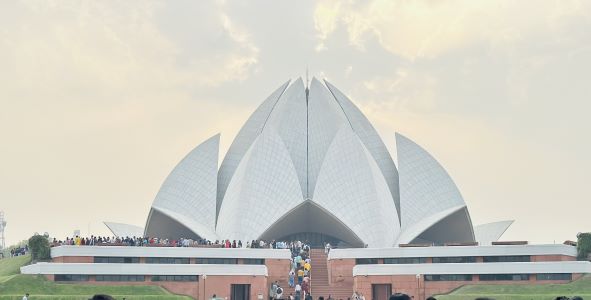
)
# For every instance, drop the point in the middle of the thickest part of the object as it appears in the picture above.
(583, 245)
(39, 247)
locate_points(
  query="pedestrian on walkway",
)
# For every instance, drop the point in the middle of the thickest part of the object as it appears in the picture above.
(291, 281)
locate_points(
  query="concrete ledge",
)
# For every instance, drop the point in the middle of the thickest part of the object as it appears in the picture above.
(475, 268)
(131, 251)
(143, 269)
(444, 251)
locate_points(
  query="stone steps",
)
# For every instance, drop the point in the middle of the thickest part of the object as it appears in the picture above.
(319, 279)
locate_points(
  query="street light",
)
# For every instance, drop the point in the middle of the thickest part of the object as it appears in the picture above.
(204, 292)
(419, 286)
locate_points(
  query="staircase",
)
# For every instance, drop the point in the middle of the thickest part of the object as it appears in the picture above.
(319, 279)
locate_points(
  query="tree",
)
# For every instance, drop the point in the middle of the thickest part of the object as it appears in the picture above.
(583, 245)
(39, 247)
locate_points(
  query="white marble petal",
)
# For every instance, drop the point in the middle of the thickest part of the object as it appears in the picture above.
(243, 140)
(351, 186)
(124, 230)
(189, 191)
(371, 140)
(265, 186)
(426, 191)
(491, 232)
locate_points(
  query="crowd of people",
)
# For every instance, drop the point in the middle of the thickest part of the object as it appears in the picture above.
(299, 273)
(161, 242)
(19, 251)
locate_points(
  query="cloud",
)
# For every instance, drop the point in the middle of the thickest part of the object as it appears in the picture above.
(120, 46)
(326, 15)
(238, 66)
(90, 89)
(417, 29)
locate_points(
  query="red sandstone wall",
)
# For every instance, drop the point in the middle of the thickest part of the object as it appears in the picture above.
(74, 259)
(400, 284)
(552, 258)
(278, 269)
(420, 289)
(221, 286)
(340, 271)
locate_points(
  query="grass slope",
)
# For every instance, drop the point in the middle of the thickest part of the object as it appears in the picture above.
(40, 288)
(11, 266)
(581, 287)
(14, 285)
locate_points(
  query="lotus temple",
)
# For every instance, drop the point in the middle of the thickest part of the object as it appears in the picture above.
(309, 166)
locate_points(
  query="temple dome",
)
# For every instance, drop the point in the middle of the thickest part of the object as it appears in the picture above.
(308, 164)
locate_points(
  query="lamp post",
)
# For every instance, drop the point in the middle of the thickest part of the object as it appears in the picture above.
(204, 291)
(419, 286)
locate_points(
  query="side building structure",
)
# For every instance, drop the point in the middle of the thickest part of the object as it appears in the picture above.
(245, 273)
(232, 273)
(426, 271)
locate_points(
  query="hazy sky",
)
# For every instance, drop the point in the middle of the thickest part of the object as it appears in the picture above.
(99, 100)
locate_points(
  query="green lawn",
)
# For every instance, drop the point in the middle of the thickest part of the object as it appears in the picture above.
(11, 266)
(40, 288)
(14, 285)
(581, 287)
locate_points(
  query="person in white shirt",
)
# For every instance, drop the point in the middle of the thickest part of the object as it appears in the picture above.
(26, 296)
(298, 292)
(279, 293)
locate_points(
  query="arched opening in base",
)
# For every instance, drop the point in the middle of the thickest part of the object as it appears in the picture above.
(455, 228)
(310, 222)
(162, 226)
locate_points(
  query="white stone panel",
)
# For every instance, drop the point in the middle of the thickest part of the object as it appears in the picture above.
(265, 186)
(325, 118)
(124, 230)
(371, 140)
(173, 230)
(446, 251)
(351, 186)
(189, 192)
(191, 252)
(474, 268)
(426, 189)
(413, 231)
(243, 140)
(144, 269)
(289, 120)
(491, 232)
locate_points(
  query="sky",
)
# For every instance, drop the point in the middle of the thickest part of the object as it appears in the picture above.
(99, 100)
